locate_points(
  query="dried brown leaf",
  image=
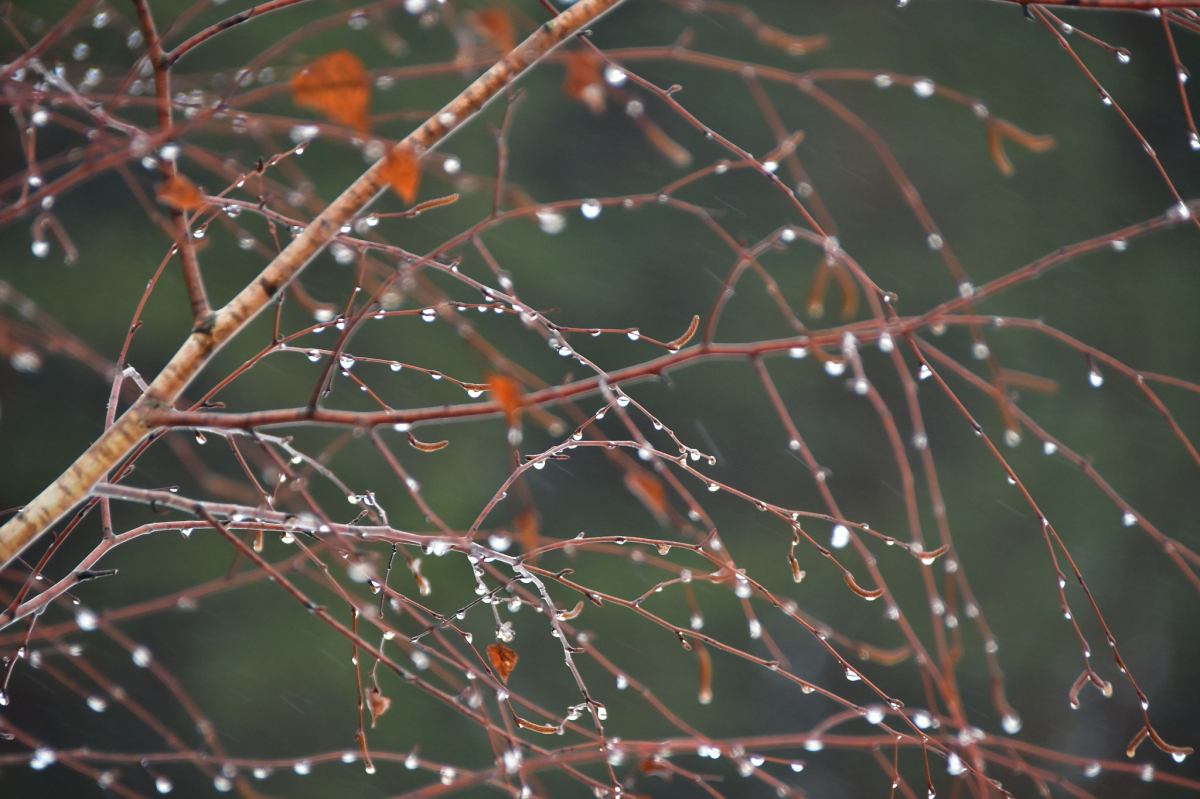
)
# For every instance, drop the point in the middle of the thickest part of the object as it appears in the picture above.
(585, 80)
(179, 193)
(494, 26)
(337, 86)
(504, 660)
(378, 704)
(403, 174)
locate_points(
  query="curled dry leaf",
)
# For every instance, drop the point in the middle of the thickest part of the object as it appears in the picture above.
(403, 174)
(495, 27)
(585, 80)
(504, 660)
(179, 193)
(426, 446)
(378, 703)
(544, 729)
(337, 86)
(794, 45)
(567, 615)
(870, 596)
(687, 335)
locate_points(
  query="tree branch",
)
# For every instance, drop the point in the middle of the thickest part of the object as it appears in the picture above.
(116, 442)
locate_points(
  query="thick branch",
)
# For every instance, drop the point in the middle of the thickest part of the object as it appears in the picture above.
(116, 442)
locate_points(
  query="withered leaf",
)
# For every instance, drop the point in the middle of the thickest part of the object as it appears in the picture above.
(378, 703)
(504, 660)
(495, 26)
(585, 80)
(649, 489)
(507, 394)
(403, 174)
(337, 86)
(179, 193)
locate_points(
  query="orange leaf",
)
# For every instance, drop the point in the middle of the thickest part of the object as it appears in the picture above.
(649, 489)
(179, 193)
(337, 86)
(585, 81)
(527, 529)
(507, 394)
(504, 660)
(403, 172)
(495, 26)
(378, 703)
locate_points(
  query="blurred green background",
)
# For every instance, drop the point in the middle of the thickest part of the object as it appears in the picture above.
(277, 683)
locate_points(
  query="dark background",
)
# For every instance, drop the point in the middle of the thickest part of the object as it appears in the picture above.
(277, 683)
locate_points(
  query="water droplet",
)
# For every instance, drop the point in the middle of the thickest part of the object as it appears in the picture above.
(590, 209)
(1095, 378)
(97, 703)
(924, 372)
(42, 757)
(923, 88)
(1011, 723)
(1049, 447)
(551, 221)
(86, 619)
(141, 657)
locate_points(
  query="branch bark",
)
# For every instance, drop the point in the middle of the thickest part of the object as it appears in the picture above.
(136, 423)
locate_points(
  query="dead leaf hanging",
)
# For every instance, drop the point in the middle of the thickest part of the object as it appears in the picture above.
(403, 174)
(179, 193)
(494, 26)
(504, 660)
(378, 704)
(585, 80)
(507, 394)
(337, 86)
